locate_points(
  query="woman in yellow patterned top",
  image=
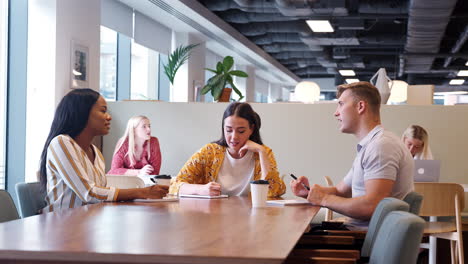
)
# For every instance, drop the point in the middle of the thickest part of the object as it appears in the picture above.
(228, 165)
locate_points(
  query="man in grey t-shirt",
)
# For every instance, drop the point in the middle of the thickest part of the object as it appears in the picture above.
(383, 166)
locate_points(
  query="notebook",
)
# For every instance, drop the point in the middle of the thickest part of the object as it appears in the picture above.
(203, 196)
(426, 170)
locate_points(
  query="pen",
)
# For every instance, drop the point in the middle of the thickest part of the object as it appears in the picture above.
(294, 177)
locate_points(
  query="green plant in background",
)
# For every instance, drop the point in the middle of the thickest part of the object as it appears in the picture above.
(223, 76)
(177, 58)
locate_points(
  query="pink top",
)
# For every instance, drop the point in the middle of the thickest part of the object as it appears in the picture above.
(121, 163)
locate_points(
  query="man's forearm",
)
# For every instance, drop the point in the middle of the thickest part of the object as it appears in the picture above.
(359, 207)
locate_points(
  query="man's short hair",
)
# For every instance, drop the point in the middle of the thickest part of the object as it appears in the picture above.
(364, 91)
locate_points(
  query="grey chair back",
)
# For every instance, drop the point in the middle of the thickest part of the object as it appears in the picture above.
(398, 239)
(384, 207)
(8, 210)
(30, 198)
(414, 200)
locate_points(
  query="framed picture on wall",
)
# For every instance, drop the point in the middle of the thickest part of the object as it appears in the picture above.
(79, 65)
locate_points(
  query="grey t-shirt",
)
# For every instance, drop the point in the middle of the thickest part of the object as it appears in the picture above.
(381, 155)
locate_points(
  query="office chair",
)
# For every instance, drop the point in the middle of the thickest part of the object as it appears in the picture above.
(8, 210)
(31, 198)
(414, 200)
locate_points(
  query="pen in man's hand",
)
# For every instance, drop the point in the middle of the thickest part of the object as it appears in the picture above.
(294, 177)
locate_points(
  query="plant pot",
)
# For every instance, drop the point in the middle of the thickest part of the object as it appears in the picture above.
(225, 95)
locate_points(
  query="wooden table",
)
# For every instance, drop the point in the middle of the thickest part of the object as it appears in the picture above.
(188, 231)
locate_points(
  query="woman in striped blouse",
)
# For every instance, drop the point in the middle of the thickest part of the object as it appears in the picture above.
(72, 168)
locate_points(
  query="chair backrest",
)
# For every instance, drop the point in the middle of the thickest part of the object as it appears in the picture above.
(125, 181)
(31, 198)
(439, 198)
(414, 200)
(8, 210)
(384, 207)
(398, 239)
(328, 212)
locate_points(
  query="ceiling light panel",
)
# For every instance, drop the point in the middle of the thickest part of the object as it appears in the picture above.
(320, 25)
(451, 93)
(347, 73)
(462, 73)
(457, 81)
(348, 81)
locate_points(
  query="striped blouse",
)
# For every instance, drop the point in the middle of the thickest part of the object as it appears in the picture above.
(72, 179)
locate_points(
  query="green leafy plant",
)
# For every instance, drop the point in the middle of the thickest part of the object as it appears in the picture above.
(177, 58)
(223, 76)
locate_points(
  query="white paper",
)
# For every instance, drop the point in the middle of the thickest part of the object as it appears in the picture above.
(203, 196)
(156, 200)
(288, 202)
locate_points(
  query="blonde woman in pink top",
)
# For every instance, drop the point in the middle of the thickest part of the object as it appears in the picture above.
(137, 152)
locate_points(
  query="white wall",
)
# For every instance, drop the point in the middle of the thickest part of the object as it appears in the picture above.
(79, 21)
(52, 27)
(304, 137)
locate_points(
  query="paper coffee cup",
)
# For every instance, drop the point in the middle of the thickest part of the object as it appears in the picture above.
(259, 192)
(162, 179)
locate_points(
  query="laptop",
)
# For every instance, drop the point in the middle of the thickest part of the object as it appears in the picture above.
(426, 170)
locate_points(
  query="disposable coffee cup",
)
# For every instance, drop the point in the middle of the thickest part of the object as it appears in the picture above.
(163, 179)
(259, 192)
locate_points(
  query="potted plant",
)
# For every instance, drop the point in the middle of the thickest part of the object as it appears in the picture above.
(223, 76)
(177, 58)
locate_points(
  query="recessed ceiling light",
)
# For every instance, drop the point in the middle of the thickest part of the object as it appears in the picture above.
(462, 73)
(457, 81)
(351, 80)
(452, 93)
(347, 73)
(320, 25)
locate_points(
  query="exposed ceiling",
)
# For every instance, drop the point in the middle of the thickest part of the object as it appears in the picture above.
(420, 41)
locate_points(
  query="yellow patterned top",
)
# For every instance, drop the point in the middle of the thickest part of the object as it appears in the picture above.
(203, 167)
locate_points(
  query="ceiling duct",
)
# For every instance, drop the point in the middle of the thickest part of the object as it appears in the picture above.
(427, 22)
(257, 6)
(326, 62)
(260, 28)
(383, 7)
(343, 38)
(301, 63)
(382, 39)
(315, 70)
(312, 7)
(352, 63)
(271, 38)
(458, 45)
(298, 55)
(275, 48)
(351, 24)
(341, 53)
(236, 16)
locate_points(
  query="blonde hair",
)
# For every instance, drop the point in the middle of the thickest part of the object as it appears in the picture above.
(418, 132)
(129, 137)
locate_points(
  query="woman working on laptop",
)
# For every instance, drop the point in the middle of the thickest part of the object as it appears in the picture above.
(229, 164)
(416, 140)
